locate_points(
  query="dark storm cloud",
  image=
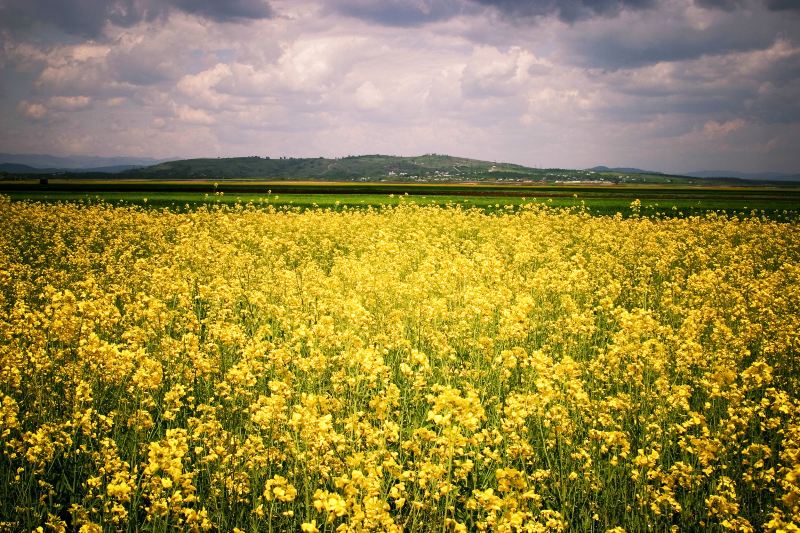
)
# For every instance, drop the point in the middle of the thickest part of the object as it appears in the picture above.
(635, 109)
(778, 104)
(677, 39)
(415, 13)
(613, 51)
(783, 5)
(410, 13)
(731, 5)
(402, 13)
(226, 11)
(725, 5)
(566, 10)
(87, 17)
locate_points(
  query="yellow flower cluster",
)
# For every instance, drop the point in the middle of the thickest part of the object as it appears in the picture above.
(396, 369)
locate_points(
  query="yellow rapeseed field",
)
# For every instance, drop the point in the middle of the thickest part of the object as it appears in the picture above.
(396, 369)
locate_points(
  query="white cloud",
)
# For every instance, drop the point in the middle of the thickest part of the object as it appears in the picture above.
(717, 130)
(69, 103)
(193, 115)
(368, 96)
(315, 64)
(32, 110)
(87, 51)
(490, 72)
(200, 88)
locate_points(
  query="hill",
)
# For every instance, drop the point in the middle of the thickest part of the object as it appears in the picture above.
(17, 168)
(770, 176)
(428, 168)
(425, 168)
(624, 170)
(83, 163)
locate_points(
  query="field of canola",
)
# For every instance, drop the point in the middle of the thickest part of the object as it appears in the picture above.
(396, 369)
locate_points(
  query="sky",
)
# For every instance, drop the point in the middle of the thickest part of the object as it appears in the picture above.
(674, 85)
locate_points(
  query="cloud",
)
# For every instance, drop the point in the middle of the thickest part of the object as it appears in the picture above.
(647, 38)
(77, 78)
(310, 64)
(226, 11)
(69, 103)
(760, 86)
(368, 96)
(192, 115)
(32, 110)
(138, 58)
(783, 5)
(200, 88)
(659, 85)
(401, 13)
(715, 130)
(53, 108)
(491, 72)
(146, 56)
(418, 12)
(566, 10)
(89, 17)
(725, 5)
(777, 104)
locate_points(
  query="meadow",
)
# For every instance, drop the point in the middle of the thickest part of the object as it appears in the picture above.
(779, 203)
(397, 368)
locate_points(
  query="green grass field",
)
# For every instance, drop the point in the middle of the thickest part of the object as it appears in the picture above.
(775, 203)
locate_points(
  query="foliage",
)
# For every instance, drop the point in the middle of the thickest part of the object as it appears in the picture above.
(417, 368)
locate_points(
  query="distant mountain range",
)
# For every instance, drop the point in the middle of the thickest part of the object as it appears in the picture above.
(625, 170)
(84, 163)
(16, 168)
(424, 168)
(770, 176)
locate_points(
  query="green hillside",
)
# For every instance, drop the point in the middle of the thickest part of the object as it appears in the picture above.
(425, 168)
(428, 168)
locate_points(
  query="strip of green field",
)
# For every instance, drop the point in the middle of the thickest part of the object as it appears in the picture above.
(776, 203)
(466, 189)
(598, 206)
